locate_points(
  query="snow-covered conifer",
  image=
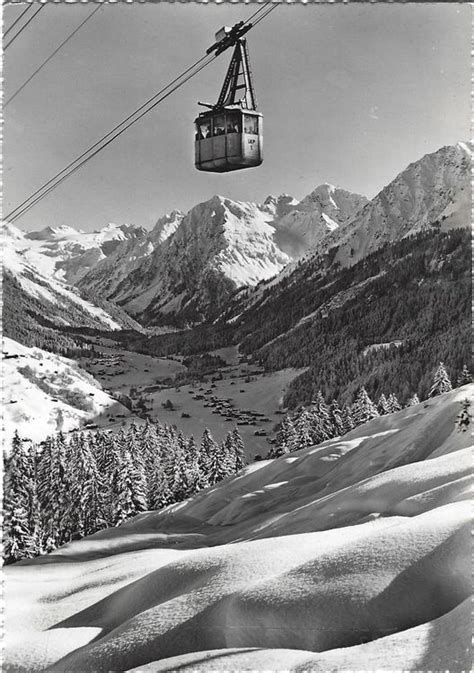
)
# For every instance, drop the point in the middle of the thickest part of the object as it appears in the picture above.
(441, 381)
(382, 405)
(363, 409)
(17, 537)
(239, 450)
(464, 377)
(18, 527)
(347, 419)
(336, 418)
(303, 428)
(286, 438)
(131, 490)
(320, 420)
(393, 404)
(463, 419)
(414, 399)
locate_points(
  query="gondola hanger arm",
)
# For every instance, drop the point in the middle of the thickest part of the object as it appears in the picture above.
(230, 38)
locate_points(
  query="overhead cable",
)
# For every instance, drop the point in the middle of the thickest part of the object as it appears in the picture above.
(30, 6)
(120, 128)
(5, 47)
(51, 56)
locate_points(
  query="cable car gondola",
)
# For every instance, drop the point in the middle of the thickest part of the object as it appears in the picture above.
(229, 135)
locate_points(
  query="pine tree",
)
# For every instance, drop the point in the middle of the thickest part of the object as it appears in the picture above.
(413, 401)
(382, 405)
(54, 493)
(18, 541)
(228, 452)
(18, 528)
(463, 419)
(464, 377)
(192, 466)
(320, 421)
(347, 419)
(286, 438)
(393, 404)
(131, 496)
(206, 450)
(88, 499)
(303, 428)
(160, 492)
(363, 409)
(239, 450)
(177, 471)
(441, 382)
(336, 418)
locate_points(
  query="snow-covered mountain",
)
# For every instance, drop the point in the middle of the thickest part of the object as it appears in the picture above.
(352, 555)
(32, 269)
(433, 191)
(190, 264)
(67, 254)
(310, 221)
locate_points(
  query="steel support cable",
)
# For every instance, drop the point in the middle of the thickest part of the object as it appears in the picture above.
(24, 26)
(30, 6)
(40, 67)
(48, 187)
(54, 182)
(267, 12)
(104, 137)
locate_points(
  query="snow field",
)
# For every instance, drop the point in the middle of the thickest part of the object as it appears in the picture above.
(47, 392)
(351, 555)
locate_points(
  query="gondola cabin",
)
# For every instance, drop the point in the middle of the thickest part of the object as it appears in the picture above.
(228, 140)
(229, 135)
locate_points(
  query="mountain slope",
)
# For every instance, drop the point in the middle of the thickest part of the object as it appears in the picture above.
(37, 303)
(45, 393)
(189, 265)
(433, 190)
(356, 550)
(66, 254)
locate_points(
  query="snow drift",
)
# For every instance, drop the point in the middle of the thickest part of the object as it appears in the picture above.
(352, 554)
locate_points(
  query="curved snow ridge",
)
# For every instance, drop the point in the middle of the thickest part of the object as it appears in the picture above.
(342, 588)
(441, 644)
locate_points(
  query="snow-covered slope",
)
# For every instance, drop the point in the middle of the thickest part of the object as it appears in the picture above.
(67, 254)
(322, 212)
(431, 193)
(190, 264)
(434, 191)
(44, 393)
(36, 274)
(350, 555)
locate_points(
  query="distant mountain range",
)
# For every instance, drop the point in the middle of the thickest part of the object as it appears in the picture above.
(189, 266)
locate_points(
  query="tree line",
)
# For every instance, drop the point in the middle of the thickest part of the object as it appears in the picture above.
(68, 487)
(320, 421)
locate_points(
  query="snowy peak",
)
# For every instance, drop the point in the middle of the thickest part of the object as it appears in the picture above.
(53, 233)
(433, 191)
(278, 206)
(191, 263)
(310, 221)
(166, 226)
(69, 253)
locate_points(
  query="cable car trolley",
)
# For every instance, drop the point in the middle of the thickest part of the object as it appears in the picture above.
(229, 134)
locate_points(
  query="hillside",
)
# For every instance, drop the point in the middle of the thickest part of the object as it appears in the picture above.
(189, 266)
(436, 189)
(384, 323)
(46, 393)
(354, 553)
(39, 303)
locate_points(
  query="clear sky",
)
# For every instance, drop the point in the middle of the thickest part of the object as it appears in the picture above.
(350, 93)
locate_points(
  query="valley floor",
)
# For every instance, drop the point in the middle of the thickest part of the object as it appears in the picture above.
(351, 555)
